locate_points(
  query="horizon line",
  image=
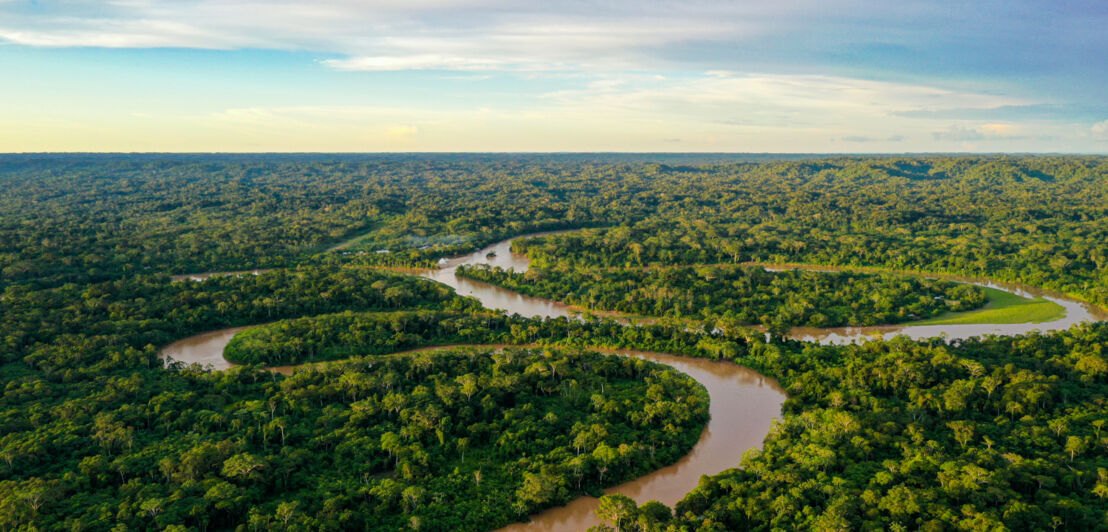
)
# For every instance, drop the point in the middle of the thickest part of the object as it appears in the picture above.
(797, 153)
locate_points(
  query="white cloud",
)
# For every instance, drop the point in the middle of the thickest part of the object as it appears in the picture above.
(958, 133)
(724, 87)
(1100, 130)
(119, 34)
(550, 126)
(759, 112)
(1000, 130)
(415, 62)
(522, 44)
(401, 35)
(771, 99)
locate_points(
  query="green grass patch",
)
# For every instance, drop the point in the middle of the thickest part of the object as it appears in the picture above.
(1002, 307)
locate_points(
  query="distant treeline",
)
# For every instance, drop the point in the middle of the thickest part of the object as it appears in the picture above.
(1041, 220)
(97, 434)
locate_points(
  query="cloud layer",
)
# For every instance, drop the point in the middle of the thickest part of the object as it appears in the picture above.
(992, 36)
(826, 75)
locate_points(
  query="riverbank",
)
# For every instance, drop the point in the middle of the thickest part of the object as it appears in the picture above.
(1002, 307)
(729, 434)
(743, 402)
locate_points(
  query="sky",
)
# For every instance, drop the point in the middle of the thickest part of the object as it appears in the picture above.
(811, 76)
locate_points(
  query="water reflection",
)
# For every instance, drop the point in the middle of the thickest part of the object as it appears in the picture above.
(1075, 312)
(492, 296)
(205, 349)
(743, 406)
(743, 402)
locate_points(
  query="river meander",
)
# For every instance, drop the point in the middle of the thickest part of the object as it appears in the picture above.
(743, 402)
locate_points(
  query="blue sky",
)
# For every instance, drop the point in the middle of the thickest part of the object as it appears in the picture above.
(491, 75)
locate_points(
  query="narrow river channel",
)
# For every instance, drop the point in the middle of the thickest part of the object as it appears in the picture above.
(495, 297)
(743, 402)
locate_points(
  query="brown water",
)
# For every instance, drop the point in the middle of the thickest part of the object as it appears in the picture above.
(205, 349)
(743, 402)
(495, 297)
(1075, 312)
(743, 406)
(492, 296)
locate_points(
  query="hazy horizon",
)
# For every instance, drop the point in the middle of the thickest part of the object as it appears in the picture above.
(445, 152)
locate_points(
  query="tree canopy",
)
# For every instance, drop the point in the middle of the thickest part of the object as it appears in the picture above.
(96, 433)
(743, 295)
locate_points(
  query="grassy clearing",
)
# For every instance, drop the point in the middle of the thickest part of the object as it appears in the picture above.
(1002, 307)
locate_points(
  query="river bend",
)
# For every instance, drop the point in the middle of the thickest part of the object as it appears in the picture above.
(743, 404)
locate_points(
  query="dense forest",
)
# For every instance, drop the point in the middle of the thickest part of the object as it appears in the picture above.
(743, 295)
(47, 329)
(993, 434)
(336, 336)
(1041, 220)
(996, 433)
(432, 442)
(96, 433)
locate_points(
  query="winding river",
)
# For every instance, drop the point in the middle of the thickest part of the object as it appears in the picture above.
(1075, 312)
(500, 254)
(743, 402)
(492, 296)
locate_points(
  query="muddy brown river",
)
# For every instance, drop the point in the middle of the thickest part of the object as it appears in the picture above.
(495, 297)
(492, 296)
(743, 406)
(743, 402)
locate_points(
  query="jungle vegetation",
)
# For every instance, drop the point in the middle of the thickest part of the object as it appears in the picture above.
(1039, 220)
(991, 434)
(96, 433)
(744, 295)
(1005, 307)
